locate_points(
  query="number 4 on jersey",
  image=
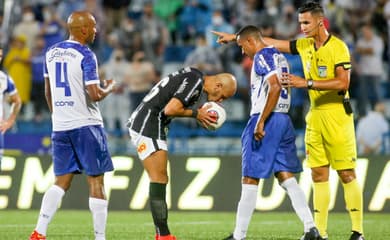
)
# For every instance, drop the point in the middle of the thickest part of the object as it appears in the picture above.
(62, 77)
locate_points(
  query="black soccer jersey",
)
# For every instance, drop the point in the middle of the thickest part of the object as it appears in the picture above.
(149, 119)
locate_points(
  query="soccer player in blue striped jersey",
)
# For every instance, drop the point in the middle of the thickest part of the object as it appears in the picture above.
(330, 132)
(268, 140)
(79, 142)
(7, 87)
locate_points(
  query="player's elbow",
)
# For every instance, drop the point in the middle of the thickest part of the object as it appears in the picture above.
(17, 100)
(343, 86)
(276, 87)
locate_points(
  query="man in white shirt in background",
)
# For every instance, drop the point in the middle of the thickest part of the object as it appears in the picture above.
(370, 130)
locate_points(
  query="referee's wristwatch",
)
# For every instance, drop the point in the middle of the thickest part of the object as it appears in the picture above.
(309, 84)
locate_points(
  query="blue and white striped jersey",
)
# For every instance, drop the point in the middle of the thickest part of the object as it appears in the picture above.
(6, 86)
(70, 67)
(267, 62)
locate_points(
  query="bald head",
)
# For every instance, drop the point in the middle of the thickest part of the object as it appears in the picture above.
(229, 84)
(82, 26)
(80, 19)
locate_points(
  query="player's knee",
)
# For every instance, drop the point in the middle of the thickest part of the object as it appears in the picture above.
(159, 176)
(249, 180)
(320, 174)
(347, 175)
(65, 185)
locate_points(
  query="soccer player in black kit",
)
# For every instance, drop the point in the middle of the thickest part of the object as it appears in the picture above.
(174, 96)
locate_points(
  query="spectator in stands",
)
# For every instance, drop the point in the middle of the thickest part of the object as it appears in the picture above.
(370, 130)
(167, 11)
(114, 11)
(115, 109)
(155, 35)
(218, 23)
(193, 19)
(247, 13)
(28, 26)
(204, 57)
(285, 26)
(140, 77)
(38, 83)
(52, 27)
(369, 48)
(17, 62)
(66, 7)
(129, 37)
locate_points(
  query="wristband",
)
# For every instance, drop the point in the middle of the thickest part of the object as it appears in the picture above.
(194, 113)
(309, 84)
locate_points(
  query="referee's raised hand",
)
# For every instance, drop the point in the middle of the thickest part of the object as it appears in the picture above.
(224, 38)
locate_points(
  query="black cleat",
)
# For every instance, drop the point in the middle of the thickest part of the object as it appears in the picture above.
(356, 236)
(230, 237)
(312, 234)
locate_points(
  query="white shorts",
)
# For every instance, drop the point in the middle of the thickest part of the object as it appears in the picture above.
(146, 145)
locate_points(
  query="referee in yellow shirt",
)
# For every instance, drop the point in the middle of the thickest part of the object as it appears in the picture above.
(330, 134)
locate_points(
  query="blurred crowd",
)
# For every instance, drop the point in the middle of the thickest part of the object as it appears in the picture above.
(138, 41)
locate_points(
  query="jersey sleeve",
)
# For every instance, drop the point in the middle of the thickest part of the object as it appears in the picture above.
(45, 71)
(189, 90)
(89, 66)
(293, 47)
(342, 58)
(299, 45)
(11, 89)
(264, 62)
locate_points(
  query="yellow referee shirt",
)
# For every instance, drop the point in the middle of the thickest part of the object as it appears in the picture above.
(320, 64)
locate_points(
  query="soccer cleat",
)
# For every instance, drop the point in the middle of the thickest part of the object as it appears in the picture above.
(356, 236)
(36, 236)
(230, 237)
(167, 237)
(312, 234)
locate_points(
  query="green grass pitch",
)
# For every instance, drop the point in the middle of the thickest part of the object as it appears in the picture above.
(137, 225)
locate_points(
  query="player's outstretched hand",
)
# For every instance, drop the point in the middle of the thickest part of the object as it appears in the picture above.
(224, 37)
(110, 84)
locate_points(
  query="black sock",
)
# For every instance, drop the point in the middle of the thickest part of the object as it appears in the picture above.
(159, 209)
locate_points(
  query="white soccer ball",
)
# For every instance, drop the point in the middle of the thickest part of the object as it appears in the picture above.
(219, 112)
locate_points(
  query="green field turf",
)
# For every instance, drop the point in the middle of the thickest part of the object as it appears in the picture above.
(67, 225)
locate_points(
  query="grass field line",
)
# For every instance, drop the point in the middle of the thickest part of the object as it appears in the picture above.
(131, 225)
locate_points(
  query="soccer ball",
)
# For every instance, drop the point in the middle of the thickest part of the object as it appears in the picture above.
(218, 112)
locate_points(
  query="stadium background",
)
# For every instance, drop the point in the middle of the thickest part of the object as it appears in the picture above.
(205, 165)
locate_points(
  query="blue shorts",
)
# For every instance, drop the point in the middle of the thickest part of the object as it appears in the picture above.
(276, 152)
(81, 149)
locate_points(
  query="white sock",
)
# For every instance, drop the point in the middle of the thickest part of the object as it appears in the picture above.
(98, 208)
(245, 209)
(298, 201)
(49, 206)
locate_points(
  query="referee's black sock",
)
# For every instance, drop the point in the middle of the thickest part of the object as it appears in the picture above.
(159, 209)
